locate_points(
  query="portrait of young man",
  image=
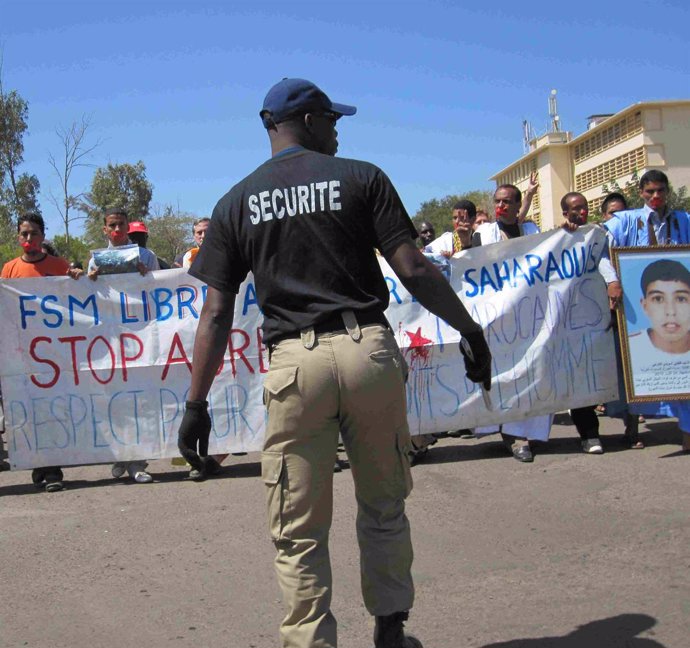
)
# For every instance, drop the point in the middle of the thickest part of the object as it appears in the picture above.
(660, 352)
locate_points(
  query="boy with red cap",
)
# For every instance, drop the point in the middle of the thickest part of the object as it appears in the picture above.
(116, 229)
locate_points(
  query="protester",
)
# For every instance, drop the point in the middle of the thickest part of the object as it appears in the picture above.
(575, 210)
(463, 218)
(481, 218)
(613, 203)
(427, 233)
(447, 245)
(35, 262)
(654, 224)
(199, 228)
(450, 243)
(334, 363)
(139, 234)
(116, 229)
(49, 248)
(507, 204)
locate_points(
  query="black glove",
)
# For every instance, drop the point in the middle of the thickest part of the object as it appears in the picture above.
(477, 356)
(192, 437)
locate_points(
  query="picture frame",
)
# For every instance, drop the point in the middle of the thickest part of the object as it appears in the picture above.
(117, 260)
(654, 321)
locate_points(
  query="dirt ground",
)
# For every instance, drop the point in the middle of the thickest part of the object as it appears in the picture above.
(572, 551)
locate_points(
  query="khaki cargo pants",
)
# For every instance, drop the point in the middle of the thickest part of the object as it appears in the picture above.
(354, 386)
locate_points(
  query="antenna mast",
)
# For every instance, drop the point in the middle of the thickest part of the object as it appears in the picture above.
(526, 135)
(553, 113)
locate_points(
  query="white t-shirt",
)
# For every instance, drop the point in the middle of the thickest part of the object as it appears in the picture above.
(441, 245)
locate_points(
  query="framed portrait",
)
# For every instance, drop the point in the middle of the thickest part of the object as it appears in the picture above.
(117, 260)
(654, 321)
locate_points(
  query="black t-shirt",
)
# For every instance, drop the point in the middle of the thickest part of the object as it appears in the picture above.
(511, 231)
(306, 224)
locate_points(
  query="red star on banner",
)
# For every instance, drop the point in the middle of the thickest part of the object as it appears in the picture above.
(417, 339)
(419, 346)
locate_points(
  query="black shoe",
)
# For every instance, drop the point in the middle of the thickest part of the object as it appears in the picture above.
(523, 453)
(388, 632)
(54, 486)
(211, 467)
(54, 477)
(417, 456)
(47, 475)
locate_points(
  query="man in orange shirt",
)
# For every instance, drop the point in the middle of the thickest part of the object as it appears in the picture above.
(199, 230)
(34, 262)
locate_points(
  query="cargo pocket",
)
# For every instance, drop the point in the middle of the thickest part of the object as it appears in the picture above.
(277, 381)
(404, 447)
(383, 355)
(273, 475)
(392, 358)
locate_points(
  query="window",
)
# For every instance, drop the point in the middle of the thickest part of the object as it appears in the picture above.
(519, 172)
(619, 131)
(595, 203)
(534, 212)
(621, 166)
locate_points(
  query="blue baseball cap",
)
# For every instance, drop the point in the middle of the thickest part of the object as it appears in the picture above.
(291, 97)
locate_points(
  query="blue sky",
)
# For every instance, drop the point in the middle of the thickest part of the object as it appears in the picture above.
(441, 89)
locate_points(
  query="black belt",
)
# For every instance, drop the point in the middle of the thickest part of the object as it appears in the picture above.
(335, 322)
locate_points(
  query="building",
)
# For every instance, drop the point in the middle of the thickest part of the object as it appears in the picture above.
(646, 135)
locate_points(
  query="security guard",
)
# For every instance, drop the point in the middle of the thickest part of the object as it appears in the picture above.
(307, 225)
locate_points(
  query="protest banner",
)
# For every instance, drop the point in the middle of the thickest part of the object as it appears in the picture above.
(97, 372)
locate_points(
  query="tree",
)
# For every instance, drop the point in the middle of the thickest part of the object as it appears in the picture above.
(72, 248)
(170, 232)
(116, 185)
(439, 212)
(9, 248)
(73, 154)
(18, 191)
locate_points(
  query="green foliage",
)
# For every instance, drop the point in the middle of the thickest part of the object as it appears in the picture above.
(18, 191)
(677, 198)
(170, 232)
(439, 212)
(9, 248)
(72, 248)
(116, 185)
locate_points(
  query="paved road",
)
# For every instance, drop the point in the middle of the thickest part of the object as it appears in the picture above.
(572, 551)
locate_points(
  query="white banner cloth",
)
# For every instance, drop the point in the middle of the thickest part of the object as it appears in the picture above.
(98, 372)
